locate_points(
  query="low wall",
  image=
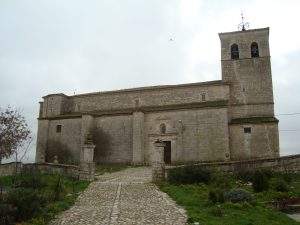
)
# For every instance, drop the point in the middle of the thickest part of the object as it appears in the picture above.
(10, 168)
(281, 164)
(50, 168)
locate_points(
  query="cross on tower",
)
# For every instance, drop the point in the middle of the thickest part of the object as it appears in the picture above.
(243, 25)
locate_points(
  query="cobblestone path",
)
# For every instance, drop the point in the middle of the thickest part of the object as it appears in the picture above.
(125, 197)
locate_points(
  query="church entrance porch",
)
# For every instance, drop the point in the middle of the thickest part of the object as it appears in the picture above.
(167, 152)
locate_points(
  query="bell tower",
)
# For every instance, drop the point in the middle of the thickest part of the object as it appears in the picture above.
(246, 67)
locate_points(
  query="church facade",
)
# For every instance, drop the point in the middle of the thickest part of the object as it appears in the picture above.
(222, 120)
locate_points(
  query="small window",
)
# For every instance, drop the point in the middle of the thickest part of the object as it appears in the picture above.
(58, 128)
(235, 51)
(254, 50)
(137, 102)
(162, 128)
(247, 130)
(203, 97)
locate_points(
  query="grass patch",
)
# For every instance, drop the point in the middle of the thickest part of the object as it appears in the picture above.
(195, 199)
(35, 199)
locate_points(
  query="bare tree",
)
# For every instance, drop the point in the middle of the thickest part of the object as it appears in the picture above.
(14, 133)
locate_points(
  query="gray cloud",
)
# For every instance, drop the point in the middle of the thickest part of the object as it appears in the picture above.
(65, 46)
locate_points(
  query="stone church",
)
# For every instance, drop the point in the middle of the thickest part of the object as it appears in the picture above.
(221, 120)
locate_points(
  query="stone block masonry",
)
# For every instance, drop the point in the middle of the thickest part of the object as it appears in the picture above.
(280, 164)
(223, 120)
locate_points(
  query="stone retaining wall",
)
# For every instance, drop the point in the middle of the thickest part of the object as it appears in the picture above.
(66, 170)
(51, 168)
(10, 168)
(281, 164)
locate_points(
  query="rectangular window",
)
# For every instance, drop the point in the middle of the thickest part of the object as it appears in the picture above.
(247, 130)
(58, 128)
(203, 97)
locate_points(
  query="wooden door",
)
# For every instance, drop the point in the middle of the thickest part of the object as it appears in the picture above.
(167, 152)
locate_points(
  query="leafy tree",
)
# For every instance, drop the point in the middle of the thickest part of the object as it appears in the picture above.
(14, 132)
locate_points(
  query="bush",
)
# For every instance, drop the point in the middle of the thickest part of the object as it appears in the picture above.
(221, 180)
(244, 175)
(287, 177)
(33, 181)
(216, 195)
(260, 181)
(281, 185)
(279, 196)
(26, 201)
(189, 175)
(58, 189)
(6, 214)
(238, 195)
(217, 211)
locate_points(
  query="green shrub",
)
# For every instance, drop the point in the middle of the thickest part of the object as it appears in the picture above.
(217, 211)
(216, 195)
(6, 214)
(36, 221)
(279, 196)
(58, 189)
(260, 181)
(189, 175)
(238, 195)
(287, 177)
(26, 201)
(281, 185)
(244, 175)
(33, 181)
(221, 180)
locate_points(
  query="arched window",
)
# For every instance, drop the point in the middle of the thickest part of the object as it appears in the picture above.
(254, 50)
(235, 51)
(162, 128)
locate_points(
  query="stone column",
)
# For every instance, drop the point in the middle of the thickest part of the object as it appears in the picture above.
(87, 165)
(138, 138)
(158, 164)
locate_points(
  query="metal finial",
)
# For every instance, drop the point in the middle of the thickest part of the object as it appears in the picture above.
(243, 25)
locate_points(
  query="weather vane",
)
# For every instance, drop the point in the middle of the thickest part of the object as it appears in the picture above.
(243, 25)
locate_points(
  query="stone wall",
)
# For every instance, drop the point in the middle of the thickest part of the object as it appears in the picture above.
(262, 142)
(280, 164)
(55, 104)
(10, 168)
(114, 139)
(48, 138)
(69, 137)
(195, 135)
(42, 140)
(50, 168)
(135, 98)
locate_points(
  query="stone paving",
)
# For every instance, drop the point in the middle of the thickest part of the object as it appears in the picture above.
(125, 197)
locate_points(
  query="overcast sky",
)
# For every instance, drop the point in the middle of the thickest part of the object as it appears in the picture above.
(50, 46)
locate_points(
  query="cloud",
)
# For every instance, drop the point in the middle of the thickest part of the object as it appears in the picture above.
(67, 46)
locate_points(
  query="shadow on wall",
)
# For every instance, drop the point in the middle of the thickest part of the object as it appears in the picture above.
(61, 151)
(102, 151)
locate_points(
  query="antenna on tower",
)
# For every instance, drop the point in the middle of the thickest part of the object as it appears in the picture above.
(243, 25)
